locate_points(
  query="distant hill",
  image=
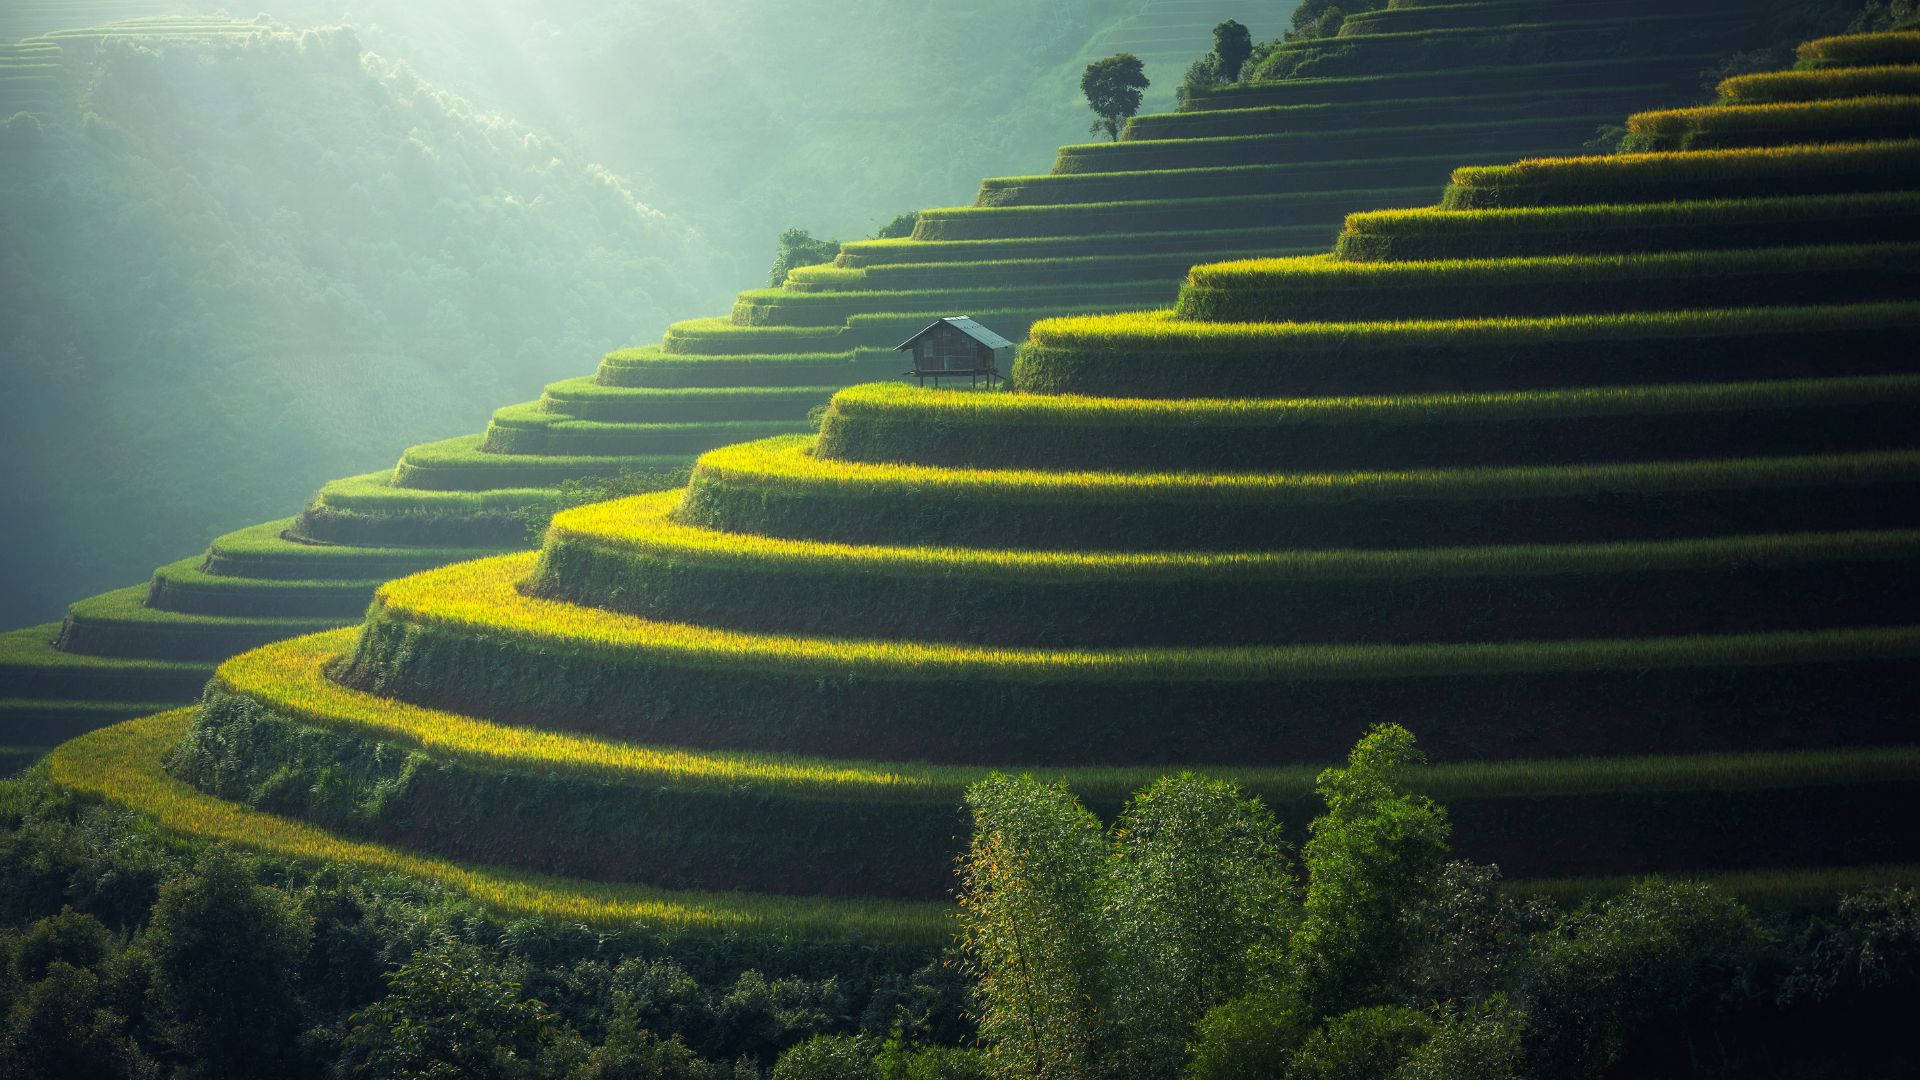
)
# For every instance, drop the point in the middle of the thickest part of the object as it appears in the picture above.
(236, 261)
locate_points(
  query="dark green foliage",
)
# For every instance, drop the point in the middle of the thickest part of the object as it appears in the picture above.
(1248, 1038)
(899, 228)
(1362, 1044)
(798, 247)
(1640, 976)
(840, 1057)
(1199, 906)
(578, 826)
(619, 1003)
(1232, 44)
(1481, 1042)
(225, 952)
(1201, 75)
(1373, 857)
(1322, 18)
(1886, 15)
(449, 1011)
(828, 1057)
(1113, 87)
(61, 1029)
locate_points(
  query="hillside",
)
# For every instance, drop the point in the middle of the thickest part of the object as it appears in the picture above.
(1250, 171)
(238, 261)
(1592, 475)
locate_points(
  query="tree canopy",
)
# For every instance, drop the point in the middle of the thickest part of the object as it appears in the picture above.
(1113, 87)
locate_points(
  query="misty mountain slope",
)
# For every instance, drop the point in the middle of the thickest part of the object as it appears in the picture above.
(234, 264)
(748, 117)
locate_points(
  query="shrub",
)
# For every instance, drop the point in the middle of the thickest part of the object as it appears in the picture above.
(1363, 1044)
(1248, 1038)
(1637, 975)
(797, 247)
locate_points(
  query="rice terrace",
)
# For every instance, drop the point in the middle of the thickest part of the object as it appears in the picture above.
(1393, 555)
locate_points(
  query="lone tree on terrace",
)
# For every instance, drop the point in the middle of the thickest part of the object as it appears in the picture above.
(1232, 44)
(1113, 87)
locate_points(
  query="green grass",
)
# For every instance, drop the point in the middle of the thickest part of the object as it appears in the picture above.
(33, 668)
(466, 639)
(184, 587)
(777, 488)
(766, 307)
(1292, 208)
(40, 723)
(1854, 119)
(1405, 152)
(1639, 34)
(895, 423)
(780, 821)
(584, 399)
(1050, 272)
(369, 511)
(1151, 354)
(652, 369)
(907, 251)
(1708, 174)
(1395, 112)
(1409, 17)
(119, 624)
(1819, 84)
(290, 678)
(1321, 288)
(1850, 50)
(373, 493)
(629, 556)
(1683, 70)
(263, 552)
(528, 429)
(459, 464)
(1432, 233)
(120, 765)
(696, 337)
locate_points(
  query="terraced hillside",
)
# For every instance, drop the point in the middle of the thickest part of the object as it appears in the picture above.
(1257, 171)
(1597, 475)
(27, 18)
(1168, 35)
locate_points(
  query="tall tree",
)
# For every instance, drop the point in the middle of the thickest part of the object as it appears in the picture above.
(1232, 44)
(1113, 87)
(1029, 928)
(225, 954)
(1200, 901)
(1373, 860)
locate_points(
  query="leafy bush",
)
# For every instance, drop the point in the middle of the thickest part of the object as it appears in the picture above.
(797, 247)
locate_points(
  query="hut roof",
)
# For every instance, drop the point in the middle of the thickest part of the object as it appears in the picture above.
(965, 325)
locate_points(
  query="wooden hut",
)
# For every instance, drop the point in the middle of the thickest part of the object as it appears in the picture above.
(956, 346)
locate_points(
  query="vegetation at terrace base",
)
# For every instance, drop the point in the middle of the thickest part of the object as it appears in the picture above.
(1390, 960)
(130, 953)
